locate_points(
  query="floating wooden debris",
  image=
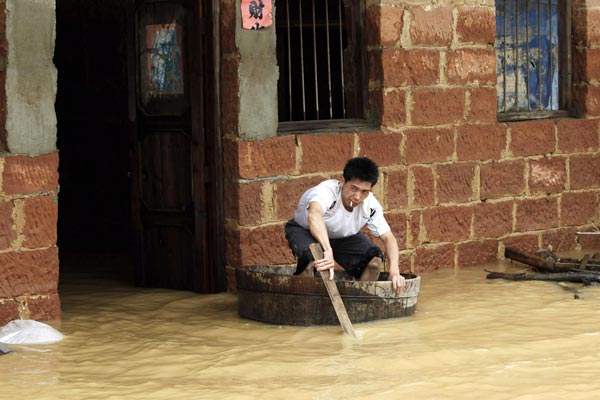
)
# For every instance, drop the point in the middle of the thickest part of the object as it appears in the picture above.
(548, 267)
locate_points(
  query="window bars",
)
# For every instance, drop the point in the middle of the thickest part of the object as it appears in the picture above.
(532, 57)
(319, 60)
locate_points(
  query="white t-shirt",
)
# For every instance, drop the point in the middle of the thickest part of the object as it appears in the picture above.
(340, 222)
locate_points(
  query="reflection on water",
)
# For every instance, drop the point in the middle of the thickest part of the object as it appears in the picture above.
(469, 339)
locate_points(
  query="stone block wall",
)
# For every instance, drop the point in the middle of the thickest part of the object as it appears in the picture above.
(28, 252)
(457, 185)
(28, 184)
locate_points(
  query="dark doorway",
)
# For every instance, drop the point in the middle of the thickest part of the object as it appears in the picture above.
(140, 163)
(94, 233)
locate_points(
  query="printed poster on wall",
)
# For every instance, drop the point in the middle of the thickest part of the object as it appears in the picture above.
(165, 61)
(257, 14)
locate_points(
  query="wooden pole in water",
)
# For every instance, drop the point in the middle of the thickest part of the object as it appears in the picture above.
(334, 294)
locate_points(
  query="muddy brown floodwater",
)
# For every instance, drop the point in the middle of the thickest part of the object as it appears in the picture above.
(470, 338)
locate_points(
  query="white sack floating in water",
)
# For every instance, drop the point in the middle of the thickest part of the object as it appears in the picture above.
(28, 331)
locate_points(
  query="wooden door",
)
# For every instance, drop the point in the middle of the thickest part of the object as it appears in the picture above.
(170, 74)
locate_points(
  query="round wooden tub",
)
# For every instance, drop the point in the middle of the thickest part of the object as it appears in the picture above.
(274, 295)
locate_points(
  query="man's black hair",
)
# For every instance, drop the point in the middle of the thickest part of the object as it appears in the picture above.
(361, 168)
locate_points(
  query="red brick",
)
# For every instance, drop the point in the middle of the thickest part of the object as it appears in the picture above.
(562, 239)
(455, 182)
(438, 106)
(414, 228)
(247, 202)
(579, 65)
(374, 58)
(527, 243)
(229, 96)
(589, 242)
(383, 148)
(270, 157)
(288, 193)
(580, 34)
(403, 264)
(430, 258)
(422, 184)
(230, 280)
(396, 193)
(586, 65)
(230, 159)
(504, 178)
(24, 174)
(585, 171)
(7, 229)
(28, 272)
(476, 24)
(477, 253)
(265, 245)
(398, 224)
(577, 135)
(232, 247)
(532, 138)
(41, 217)
(592, 67)
(410, 67)
(480, 142)
(44, 308)
(493, 220)
(578, 208)
(429, 145)
(376, 103)
(593, 27)
(393, 108)
(547, 175)
(579, 13)
(587, 100)
(431, 26)
(9, 311)
(384, 25)
(325, 152)
(231, 200)
(447, 224)
(536, 214)
(467, 66)
(482, 105)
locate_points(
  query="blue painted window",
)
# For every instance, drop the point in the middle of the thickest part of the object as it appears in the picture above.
(531, 52)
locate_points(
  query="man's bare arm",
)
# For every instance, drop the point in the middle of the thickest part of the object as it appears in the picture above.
(391, 251)
(317, 228)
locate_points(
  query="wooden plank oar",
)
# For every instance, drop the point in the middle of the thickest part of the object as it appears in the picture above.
(334, 294)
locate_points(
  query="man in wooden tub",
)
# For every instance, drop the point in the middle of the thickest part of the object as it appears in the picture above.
(333, 214)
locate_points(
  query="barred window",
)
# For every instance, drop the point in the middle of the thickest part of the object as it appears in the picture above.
(533, 58)
(320, 53)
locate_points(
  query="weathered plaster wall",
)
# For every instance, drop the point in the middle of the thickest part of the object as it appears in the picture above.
(30, 76)
(28, 163)
(457, 185)
(258, 75)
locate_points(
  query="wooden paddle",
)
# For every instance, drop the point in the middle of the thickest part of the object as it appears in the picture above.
(334, 294)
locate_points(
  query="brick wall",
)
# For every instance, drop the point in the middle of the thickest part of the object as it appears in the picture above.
(457, 185)
(28, 252)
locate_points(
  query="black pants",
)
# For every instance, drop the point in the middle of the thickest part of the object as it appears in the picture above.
(353, 253)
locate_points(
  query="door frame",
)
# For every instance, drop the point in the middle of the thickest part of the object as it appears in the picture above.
(207, 13)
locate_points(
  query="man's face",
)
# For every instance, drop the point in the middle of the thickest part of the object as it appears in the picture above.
(354, 192)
